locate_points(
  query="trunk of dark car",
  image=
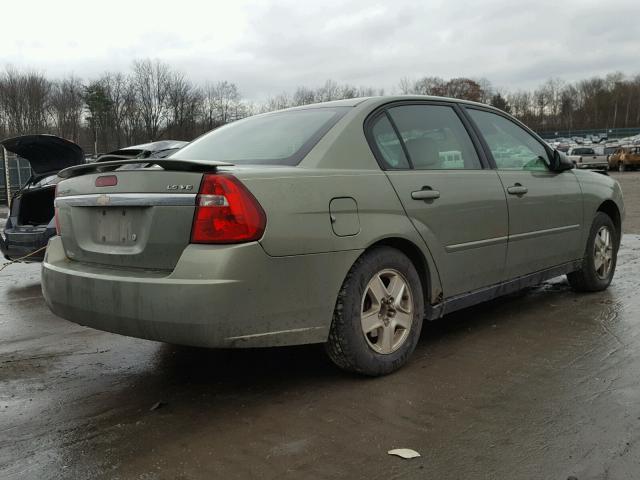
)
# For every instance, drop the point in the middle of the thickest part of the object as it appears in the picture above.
(36, 207)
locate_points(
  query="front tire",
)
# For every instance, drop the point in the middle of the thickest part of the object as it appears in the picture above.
(599, 262)
(378, 315)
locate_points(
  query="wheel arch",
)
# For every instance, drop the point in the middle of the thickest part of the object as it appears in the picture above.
(417, 257)
(611, 209)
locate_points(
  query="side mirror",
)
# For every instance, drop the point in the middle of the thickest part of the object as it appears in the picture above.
(560, 162)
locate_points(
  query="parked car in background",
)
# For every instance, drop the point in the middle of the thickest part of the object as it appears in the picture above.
(563, 145)
(31, 218)
(159, 149)
(345, 223)
(625, 158)
(609, 150)
(31, 215)
(600, 137)
(587, 157)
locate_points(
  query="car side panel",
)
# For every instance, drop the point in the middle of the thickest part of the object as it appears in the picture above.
(466, 227)
(299, 222)
(545, 224)
(596, 189)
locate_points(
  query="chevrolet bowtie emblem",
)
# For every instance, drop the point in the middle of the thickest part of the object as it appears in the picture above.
(103, 200)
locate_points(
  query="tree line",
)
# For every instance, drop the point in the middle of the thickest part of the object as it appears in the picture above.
(154, 101)
(601, 103)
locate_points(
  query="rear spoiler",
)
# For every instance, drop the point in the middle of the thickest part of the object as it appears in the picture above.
(166, 163)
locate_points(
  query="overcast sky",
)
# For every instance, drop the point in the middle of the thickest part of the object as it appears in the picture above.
(270, 47)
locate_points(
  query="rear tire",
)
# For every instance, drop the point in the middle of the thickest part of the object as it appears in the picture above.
(383, 296)
(599, 262)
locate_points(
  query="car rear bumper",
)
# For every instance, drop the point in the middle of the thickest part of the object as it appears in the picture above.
(217, 296)
(17, 244)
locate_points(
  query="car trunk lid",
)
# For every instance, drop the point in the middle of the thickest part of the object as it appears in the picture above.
(45, 153)
(141, 218)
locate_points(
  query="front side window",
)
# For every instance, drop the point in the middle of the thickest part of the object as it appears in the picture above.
(434, 137)
(512, 147)
(281, 138)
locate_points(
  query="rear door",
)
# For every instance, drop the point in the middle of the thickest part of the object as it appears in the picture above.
(545, 207)
(456, 204)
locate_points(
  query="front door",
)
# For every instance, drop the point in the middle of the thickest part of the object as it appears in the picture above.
(458, 207)
(545, 207)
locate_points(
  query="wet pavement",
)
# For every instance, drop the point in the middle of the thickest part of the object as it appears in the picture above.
(543, 384)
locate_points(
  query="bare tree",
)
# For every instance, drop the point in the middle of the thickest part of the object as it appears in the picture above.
(154, 101)
(26, 100)
(222, 104)
(67, 104)
(303, 96)
(184, 102)
(277, 103)
(151, 80)
(464, 88)
(121, 94)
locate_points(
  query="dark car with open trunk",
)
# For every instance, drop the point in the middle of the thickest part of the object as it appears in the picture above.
(31, 214)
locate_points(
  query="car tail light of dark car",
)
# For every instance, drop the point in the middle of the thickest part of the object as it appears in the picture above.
(106, 181)
(226, 212)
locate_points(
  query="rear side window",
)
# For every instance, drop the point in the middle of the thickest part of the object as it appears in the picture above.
(434, 137)
(281, 138)
(388, 144)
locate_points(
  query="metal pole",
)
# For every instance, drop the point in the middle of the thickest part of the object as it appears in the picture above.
(18, 168)
(7, 181)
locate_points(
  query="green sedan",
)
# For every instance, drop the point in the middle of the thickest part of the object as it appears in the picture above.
(347, 223)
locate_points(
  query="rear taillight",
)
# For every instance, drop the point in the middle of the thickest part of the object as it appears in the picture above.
(226, 212)
(55, 214)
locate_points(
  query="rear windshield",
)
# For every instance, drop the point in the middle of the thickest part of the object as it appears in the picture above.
(583, 151)
(280, 138)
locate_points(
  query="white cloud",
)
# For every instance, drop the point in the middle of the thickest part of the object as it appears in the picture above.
(270, 47)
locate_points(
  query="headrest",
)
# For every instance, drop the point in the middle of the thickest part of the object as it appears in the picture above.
(423, 152)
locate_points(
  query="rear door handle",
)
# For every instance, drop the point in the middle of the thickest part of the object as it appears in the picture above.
(517, 189)
(427, 193)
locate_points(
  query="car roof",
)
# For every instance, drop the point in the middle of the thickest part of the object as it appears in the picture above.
(382, 99)
(347, 102)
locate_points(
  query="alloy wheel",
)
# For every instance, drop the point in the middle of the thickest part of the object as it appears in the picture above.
(387, 311)
(603, 253)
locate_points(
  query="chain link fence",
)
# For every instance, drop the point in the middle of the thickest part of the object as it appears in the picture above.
(612, 133)
(15, 171)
